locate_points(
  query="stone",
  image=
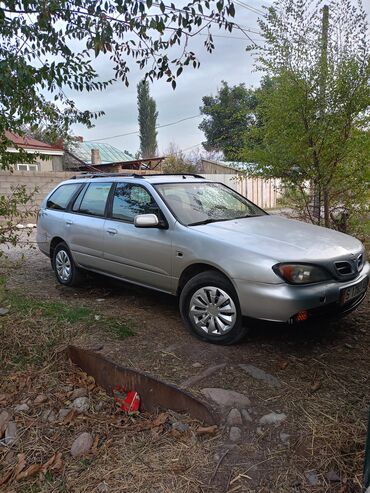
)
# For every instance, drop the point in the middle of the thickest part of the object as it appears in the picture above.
(261, 375)
(189, 382)
(332, 477)
(21, 408)
(312, 478)
(246, 416)
(235, 434)
(62, 414)
(4, 311)
(40, 399)
(273, 419)
(179, 426)
(196, 365)
(234, 418)
(226, 398)
(82, 444)
(81, 404)
(4, 419)
(81, 392)
(10, 433)
(284, 437)
(259, 430)
(48, 416)
(102, 487)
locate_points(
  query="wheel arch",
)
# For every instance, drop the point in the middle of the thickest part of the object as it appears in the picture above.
(54, 242)
(197, 268)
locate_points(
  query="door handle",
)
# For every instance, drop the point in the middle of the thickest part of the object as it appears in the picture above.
(112, 231)
(68, 223)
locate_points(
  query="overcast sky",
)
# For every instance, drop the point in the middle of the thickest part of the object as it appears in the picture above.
(229, 62)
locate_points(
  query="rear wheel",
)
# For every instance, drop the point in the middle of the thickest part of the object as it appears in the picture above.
(64, 267)
(210, 308)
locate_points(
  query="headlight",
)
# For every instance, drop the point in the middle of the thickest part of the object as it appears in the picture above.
(301, 273)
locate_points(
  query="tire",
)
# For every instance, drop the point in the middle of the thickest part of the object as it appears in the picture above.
(201, 294)
(64, 267)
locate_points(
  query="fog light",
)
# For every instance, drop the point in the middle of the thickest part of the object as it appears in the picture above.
(301, 316)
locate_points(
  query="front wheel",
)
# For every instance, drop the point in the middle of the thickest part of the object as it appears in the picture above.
(210, 308)
(64, 267)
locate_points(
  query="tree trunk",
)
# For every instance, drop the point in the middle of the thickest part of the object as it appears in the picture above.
(326, 209)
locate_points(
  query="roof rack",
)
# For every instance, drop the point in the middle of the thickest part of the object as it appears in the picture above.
(105, 175)
(175, 174)
(132, 175)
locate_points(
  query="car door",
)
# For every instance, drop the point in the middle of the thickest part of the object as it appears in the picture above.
(85, 225)
(51, 217)
(140, 255)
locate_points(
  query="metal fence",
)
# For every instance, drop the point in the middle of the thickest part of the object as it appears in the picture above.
(264, 193)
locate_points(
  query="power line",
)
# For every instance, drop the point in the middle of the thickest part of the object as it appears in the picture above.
(249, 7)
(138, 131)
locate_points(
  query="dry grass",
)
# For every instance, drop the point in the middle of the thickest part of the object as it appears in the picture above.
(130, 453)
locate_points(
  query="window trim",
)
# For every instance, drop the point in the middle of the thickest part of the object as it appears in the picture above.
(72, 198)
(163, 223)
(83, 192)
(37, 167)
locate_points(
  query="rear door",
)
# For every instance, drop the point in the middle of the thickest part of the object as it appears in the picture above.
(140, 255)
(51, 218)
(85, 225)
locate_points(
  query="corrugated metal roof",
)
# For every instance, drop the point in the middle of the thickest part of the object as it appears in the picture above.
(108, 153)
(238, 165)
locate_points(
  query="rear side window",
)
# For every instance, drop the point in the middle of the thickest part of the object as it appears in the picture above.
(61, 197)
(95, 199)
(130, 200)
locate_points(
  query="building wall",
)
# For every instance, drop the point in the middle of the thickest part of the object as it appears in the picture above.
(44, 182)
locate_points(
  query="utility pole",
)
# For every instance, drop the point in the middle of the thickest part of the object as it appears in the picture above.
(317, 200)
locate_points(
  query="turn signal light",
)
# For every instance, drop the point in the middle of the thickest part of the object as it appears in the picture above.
(301, 316)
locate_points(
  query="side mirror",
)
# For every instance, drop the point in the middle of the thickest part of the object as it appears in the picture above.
(146, 221)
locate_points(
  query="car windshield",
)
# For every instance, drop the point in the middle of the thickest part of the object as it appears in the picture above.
(202, 203)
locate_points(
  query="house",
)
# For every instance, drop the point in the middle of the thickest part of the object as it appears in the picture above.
(49, 158)
(211, 167)
(96, 156)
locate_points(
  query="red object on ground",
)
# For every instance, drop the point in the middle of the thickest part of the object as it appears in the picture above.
(129, 401)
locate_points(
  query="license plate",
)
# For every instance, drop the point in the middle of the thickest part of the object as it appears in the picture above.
(351, 292)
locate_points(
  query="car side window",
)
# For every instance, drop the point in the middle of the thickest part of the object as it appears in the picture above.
(129, 200)
(95, 199)
(59, 200)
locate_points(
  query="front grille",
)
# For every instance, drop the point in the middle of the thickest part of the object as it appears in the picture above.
(343, 268)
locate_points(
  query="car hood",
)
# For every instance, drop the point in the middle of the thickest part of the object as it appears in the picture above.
(283, 239)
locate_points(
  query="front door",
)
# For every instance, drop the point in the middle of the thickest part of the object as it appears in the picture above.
(140, 255)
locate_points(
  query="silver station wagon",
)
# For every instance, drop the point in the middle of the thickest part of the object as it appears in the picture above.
(224, 257)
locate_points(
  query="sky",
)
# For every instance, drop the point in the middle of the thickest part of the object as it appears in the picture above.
(230, 62)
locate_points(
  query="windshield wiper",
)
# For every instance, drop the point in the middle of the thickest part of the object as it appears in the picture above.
(206, 221)
(210, 220)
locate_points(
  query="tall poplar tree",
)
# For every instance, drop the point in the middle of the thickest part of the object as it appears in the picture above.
(147, 118)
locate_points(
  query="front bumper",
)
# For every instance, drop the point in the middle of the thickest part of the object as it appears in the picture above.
(281, 302)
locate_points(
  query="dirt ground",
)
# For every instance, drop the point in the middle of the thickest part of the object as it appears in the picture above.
(322, 376)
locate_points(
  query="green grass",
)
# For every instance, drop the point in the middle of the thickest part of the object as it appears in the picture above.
(34, 329)
(60, 311)
(55, 310)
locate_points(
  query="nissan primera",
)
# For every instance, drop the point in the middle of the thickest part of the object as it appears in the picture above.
(224, 257)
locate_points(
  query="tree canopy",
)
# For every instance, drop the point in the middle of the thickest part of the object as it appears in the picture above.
(47, 47)
(147, 117)
(315, 115)
(229, 117)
